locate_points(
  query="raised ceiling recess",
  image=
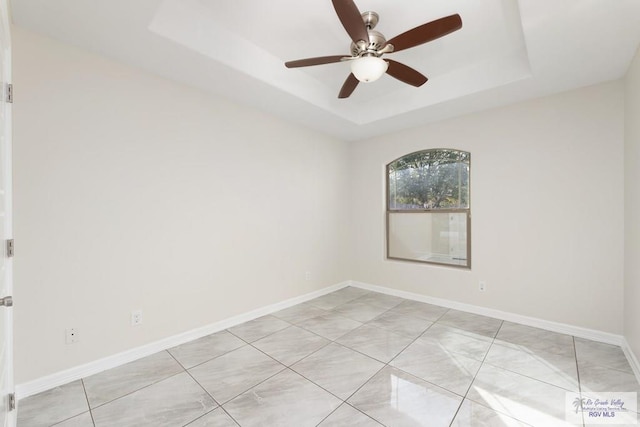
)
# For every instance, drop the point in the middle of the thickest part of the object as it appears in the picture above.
(506, 51)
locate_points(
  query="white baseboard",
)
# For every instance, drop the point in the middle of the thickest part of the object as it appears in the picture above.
(562, 328)
(631, 357)
(60, 378)
(64, 377)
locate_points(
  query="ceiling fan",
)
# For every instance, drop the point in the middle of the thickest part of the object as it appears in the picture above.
(368, 46)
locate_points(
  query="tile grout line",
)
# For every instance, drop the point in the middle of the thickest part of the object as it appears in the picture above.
(520, 374)
(86, 396)
(247, 343)
(385, 365)
(364, 413)
(203, 389)
(525, 375)
(141, 388)
(257, 384)
(334, 341)
(344, 401)
(268, 335)
(81, 413)
(185, 370)
(199, 417)
(213, 358)
(482, 362)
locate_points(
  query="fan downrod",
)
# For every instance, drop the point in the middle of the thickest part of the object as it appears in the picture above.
(370, 19)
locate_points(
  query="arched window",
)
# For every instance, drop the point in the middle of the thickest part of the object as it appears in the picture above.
(428, 215)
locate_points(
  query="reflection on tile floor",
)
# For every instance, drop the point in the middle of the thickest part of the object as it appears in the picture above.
(349, 358)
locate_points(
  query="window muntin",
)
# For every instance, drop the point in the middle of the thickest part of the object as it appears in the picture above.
(428, 215)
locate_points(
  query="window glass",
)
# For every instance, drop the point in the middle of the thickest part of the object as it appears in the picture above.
(428, 215)
(431, 179)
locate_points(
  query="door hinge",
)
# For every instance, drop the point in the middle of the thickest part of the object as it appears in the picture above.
(6, 302)
(11, 249)
(8, 94)
(12, 401)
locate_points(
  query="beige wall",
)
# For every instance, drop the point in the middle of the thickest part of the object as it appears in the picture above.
(132, 192)
(546, 203)
(632, 208)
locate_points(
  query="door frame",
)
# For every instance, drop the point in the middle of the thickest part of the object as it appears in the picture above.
(9, 386)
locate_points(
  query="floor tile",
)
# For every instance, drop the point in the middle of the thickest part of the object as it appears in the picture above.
(472, 414)
(259, 328)
(458, 341)
(335, 299)
(359, 311)
(530, 338)
(476, 323)
(351, 292)
(338, 369)
(215, 418)
(331, 325)
(171, 402)
(552, 368)
(380, 300)
(439, 366)
(52, 406)
(117, 382)
(236, 372)
(291, 344)
(601, 354)
(83, 420)
(420, 310)
(378, 343)
(346, 415)
(401, 323)
(284, 400)
(299, 313)
(510, 374)
(531, 401)
(206, 348)
(395, 398)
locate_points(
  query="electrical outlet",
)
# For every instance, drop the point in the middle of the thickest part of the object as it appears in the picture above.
(71, 335)
(307, 276)
(136, 317)
(482, 286)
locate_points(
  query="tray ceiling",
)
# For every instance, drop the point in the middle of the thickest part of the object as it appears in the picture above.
(507, 51)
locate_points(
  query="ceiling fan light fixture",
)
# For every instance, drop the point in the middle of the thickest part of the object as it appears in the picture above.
(368, 68)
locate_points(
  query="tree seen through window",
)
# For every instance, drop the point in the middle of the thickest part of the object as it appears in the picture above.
(431, 179)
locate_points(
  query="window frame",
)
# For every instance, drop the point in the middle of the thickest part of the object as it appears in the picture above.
(390, 211)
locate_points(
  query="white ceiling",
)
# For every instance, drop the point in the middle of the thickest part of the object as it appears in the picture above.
(506, 51)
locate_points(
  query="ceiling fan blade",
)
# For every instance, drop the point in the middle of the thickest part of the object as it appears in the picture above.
(348, 87)
(351, 19)
(405, 73)
(426, 32)
(315, 61)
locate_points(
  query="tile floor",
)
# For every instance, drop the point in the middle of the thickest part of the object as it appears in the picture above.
(349, 358)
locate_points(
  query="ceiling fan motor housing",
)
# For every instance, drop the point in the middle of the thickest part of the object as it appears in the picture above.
(376, 42)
